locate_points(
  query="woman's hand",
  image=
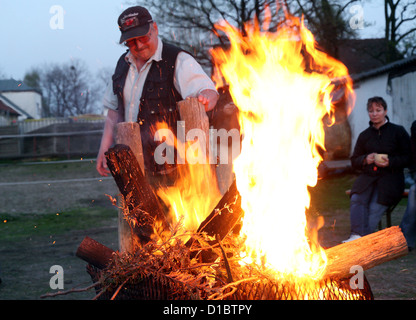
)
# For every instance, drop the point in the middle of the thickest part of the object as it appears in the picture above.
(382, 162)
(371, 158)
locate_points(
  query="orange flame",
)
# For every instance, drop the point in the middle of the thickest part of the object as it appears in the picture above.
(194, 193)
(283, 86)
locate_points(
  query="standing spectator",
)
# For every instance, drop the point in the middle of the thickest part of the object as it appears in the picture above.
(408, 224)
(381, 153)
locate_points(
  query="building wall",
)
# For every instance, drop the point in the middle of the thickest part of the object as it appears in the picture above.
(403, 90)
(7, 120)
(30, 101)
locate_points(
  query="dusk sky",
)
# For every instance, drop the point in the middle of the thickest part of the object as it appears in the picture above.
(34, 33)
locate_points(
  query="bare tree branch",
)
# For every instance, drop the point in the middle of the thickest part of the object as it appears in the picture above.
(400, 17)
(68, 89)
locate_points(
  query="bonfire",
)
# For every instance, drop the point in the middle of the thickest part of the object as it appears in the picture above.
(253, 241)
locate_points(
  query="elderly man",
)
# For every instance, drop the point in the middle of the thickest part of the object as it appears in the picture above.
(148, 81)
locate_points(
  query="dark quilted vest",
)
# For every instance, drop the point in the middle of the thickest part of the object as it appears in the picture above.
(157, 103)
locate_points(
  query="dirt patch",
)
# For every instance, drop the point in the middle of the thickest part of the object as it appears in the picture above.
(25, 265)
(46, 188)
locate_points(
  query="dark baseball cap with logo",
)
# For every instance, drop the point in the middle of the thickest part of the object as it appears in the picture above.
(134, 22)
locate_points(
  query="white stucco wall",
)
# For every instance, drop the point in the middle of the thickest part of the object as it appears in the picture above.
(30, 101)
(403, 90)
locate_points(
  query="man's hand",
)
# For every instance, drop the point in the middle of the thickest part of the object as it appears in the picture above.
(106, 142)
(101, 166)
(208, 98)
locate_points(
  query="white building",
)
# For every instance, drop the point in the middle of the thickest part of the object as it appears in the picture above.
(22, 98)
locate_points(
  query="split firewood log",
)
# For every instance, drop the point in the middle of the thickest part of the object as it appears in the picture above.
(144, 208)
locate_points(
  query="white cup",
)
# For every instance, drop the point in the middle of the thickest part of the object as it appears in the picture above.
(380, 157)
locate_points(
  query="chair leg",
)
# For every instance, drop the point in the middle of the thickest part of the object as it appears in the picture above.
(388, 212)
(388, 219)
(380, 225)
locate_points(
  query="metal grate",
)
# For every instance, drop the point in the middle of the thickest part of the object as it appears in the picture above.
(328, 289)
(150, 288)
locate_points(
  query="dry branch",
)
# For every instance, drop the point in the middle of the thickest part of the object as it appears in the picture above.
(72, 290)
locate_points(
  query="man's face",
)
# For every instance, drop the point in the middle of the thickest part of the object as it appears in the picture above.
(142, 48)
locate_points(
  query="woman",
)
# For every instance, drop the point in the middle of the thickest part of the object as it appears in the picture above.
(381, 182)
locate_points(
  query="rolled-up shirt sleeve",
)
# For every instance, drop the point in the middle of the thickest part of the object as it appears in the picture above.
(190, 79)
(109, 99)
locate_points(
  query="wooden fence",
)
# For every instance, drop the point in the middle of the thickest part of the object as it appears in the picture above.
(60, 138)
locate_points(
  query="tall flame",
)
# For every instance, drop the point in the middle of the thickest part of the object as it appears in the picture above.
(283, 87)
(190, 198)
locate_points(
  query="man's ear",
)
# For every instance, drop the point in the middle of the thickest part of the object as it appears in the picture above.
(155, 28)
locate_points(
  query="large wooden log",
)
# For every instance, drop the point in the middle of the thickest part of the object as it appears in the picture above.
(140, 200)
(193, 113)
(366, 252)
(224, 218)
(226, 214)
(128, 133)
(225, 117)
(126, 238)
(94, 253)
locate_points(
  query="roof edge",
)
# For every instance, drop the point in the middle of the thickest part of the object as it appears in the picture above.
(14, 106)
(384, 69)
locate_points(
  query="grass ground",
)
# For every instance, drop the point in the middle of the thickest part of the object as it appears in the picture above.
(43, 223)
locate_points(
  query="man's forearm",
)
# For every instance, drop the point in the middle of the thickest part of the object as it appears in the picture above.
(108, 134)
(106, 141)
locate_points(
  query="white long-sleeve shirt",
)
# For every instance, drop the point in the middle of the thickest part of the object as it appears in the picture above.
(189, 79)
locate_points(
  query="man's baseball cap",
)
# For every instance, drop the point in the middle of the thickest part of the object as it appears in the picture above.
(134, 22)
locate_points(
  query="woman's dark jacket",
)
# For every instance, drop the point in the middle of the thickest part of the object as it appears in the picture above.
(390, 139)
